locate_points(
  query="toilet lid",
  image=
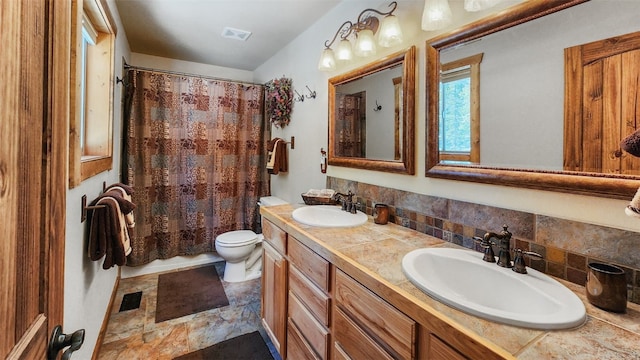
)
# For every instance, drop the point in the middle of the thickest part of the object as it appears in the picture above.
(237, 238)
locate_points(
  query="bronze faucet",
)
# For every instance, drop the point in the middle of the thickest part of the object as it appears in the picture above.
(504, 243)
(347, 201)
(518, 262)
(489, 256)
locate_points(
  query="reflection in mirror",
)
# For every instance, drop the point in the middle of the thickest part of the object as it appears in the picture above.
(603, 78)
(522, 94)
(459, 137)
(371, 115)
(363, 131)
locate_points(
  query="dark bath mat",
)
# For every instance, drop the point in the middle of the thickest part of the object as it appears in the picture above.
(244, 347)
(130, 301)
(188, 292)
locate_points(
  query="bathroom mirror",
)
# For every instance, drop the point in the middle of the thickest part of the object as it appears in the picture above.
(528, 112)
(372, 115)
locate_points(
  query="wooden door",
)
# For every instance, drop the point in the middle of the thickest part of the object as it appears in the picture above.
(34, 64)
(602, 104)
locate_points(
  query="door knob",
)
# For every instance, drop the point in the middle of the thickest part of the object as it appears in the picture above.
(60, 341)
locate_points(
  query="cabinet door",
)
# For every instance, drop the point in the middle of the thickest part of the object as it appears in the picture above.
(274, 296)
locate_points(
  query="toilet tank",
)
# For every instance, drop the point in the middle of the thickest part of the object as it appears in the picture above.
(270, 201)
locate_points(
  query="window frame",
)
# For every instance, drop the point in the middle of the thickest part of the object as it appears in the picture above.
(91, 110)
(473, 63)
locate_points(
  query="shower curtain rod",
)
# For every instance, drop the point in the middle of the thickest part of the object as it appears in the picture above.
(128, 67)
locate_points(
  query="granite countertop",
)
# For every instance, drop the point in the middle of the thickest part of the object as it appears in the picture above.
(377, 250)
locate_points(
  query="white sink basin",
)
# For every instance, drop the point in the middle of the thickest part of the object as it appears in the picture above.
(459, 278)
(328, 216)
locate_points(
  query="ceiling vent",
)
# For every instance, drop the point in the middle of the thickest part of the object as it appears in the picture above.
(236, 34)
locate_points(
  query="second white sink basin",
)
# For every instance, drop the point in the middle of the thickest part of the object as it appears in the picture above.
(459, 278)
(328, 216)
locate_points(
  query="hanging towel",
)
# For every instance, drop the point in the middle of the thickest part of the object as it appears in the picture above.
(277, 156)
(128, 189)
(125, 191)
(108, 234)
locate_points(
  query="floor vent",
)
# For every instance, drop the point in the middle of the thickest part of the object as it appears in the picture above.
(131, 301)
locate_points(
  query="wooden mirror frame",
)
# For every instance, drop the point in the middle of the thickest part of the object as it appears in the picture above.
(585, 183)
(406, 165)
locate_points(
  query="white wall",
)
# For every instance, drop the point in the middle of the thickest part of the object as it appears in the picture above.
(87, 287)
(309, 124)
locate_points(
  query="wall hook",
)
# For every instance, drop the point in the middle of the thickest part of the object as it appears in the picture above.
(299, 98)
(378, 107)
(312, 94)
(323, 161)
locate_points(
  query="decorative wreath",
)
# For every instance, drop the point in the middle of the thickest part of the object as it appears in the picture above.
(279, 101)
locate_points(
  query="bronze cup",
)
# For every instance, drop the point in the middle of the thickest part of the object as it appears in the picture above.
(382, 214)
(607, 287)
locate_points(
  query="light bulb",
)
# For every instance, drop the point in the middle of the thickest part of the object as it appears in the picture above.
(390, 33)
(327, 60)
(365, 45)
(344, 52)
(436, 15)
(479, 5)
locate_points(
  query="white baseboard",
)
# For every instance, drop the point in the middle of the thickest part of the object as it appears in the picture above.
(173, 263)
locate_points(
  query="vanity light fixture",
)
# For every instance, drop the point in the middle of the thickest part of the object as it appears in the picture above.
(364, 30)
(437, 13)
(479, 5)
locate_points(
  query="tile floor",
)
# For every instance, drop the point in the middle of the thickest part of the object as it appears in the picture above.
(133, 334)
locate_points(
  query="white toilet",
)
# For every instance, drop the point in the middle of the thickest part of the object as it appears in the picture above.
(242, 249)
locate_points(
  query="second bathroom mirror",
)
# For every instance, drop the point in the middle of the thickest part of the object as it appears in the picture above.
(372, 115)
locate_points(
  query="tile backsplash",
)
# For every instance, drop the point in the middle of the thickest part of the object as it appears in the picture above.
(567, 246)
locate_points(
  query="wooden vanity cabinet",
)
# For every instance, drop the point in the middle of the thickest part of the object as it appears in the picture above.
(274, 285)
(309, 302)
(312, 310)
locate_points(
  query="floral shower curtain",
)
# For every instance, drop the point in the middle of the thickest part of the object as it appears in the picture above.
(194, 154)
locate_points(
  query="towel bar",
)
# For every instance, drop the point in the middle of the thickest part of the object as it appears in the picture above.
(292, 142)
(85, 207)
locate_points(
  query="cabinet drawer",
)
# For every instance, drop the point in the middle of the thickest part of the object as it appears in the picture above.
(274, 235)
(312, 331)
(439, 350)
(309, 263)
(353, 341)
(381, 320)
(317, 301)
(338, 352)
(297, 347)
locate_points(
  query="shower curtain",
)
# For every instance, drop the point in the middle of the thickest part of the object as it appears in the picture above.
(194, 152)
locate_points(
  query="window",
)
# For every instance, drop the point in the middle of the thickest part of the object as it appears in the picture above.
(459, 135)
(91, 125)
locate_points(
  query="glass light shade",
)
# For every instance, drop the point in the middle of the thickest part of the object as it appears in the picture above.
(390, 33)
(436, 15)
(479, 5)
(344, 52)
(365, 44)
(327, 60)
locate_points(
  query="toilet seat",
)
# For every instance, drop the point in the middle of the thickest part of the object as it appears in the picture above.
(237, 238)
